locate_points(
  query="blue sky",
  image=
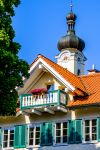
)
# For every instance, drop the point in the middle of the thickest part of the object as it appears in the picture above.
(39, 24)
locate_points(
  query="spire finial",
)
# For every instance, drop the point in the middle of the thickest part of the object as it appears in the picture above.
(71, 6)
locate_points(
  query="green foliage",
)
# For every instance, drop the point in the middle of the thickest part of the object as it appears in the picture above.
(12, 69)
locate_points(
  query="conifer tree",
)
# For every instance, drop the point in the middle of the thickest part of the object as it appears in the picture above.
(12, 68)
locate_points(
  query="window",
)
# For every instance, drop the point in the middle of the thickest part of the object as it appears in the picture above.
(61, 132)
(50, 87)
(78, 59)
(90, 130)
(78, 72)
(79, 67)
(8, 137)
(34, 135)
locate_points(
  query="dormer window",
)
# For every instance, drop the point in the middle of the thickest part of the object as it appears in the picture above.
(50, 87)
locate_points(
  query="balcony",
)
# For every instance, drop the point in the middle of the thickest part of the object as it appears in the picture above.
(49, 102)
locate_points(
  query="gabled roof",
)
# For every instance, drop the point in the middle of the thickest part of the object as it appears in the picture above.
(92, 85)
(71, 78)
(88, 84)
(85, 88)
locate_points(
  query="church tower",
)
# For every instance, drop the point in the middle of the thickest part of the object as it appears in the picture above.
(71, 46)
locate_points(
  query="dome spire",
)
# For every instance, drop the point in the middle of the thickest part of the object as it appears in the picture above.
(71, 17)
(71, 40)
(71, 6)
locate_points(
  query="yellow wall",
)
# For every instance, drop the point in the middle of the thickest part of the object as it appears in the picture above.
(85, 113)
(46, 79)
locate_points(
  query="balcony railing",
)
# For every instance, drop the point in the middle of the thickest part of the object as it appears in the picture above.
(56, 97)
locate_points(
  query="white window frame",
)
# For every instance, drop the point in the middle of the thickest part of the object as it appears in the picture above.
(61, 143)
(8, 140)
(90, 127)
(34, 138)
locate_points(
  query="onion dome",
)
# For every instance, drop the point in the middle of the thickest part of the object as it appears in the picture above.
(71, 16)
(71, 40)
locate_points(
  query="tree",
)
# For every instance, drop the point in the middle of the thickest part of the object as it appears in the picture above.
(12, 68)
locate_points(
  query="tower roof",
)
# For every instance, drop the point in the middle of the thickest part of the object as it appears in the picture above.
(70, 40)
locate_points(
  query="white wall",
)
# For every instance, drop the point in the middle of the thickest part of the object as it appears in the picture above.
(95, 146)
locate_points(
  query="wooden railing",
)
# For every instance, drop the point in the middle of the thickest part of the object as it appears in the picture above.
(56, 97)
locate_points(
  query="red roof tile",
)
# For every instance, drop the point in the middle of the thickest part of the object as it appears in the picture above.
(92, 84)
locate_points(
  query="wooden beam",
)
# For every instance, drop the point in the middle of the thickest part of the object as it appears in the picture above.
(62, 109)
(40, 66)
(18, 113)
(49, 111)
(36, 112)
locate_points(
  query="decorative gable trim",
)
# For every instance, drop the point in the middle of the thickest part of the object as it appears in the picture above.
(34, 65)
(59, 77)
(53, 72)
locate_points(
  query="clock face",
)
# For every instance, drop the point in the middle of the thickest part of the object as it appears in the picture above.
(65, 56)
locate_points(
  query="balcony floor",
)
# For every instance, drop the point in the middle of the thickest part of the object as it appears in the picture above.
(51, 110)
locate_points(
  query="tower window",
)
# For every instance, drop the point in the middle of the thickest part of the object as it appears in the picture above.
(79, 59)
(78, 72)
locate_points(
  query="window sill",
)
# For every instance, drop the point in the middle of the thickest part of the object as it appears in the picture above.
(33, 146)
(8, 148)
(60, 144)
(89, 142)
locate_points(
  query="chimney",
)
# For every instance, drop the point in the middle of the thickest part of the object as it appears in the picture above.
(93, 70)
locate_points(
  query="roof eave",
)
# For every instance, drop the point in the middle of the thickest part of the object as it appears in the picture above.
(83, 106)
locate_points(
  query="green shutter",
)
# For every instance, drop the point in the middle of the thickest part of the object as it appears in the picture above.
(58, 97)
(46, 134)
(78, 131)
(20, 102)
(20, 136)
(49, 137)
(17, 137)
(98, 129)
(23, 136)
(71, 132)
(42, 135)
(0, 137)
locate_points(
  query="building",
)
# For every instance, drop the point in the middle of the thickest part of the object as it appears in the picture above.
(59, 105)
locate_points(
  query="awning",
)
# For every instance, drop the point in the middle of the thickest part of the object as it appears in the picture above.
(37, 91)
